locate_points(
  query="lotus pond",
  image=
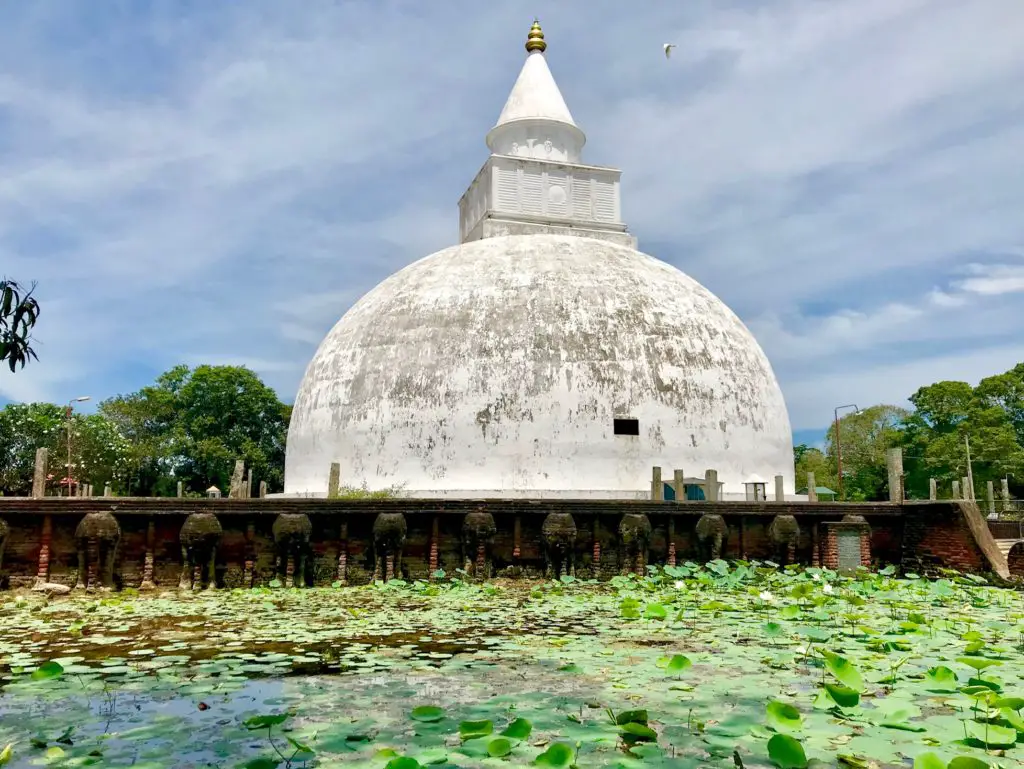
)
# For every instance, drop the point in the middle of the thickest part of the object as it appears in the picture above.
(740, 665)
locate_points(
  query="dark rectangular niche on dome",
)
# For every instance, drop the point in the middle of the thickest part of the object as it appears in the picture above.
(626, 426)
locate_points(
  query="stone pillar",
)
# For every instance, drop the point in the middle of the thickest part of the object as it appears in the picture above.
(249, 567)
(181, 489)
(657, 486)
(43, 570)
(248, 484)
(147, 564)
(815, 545)
(517, 537)
(966, 487)
(812, 488)
(343, 555)
(435, 536)
(263, 489)
(671, 559)
(39, 477)
(235, 490)
(679, 485)
(991, 489)
(711, 485)
(1005, 482)
(107, 491)
(933, 489)
(596, 554)
(894, 463)
(780, 489)
(956, 489)
(334, 480)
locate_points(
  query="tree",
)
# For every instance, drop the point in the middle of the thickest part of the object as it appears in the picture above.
(1006, 392)
(863, 440)
(24, 427)
(98, 450)
(949, 414)
(811, 460)
(19, 312)
(192, 425)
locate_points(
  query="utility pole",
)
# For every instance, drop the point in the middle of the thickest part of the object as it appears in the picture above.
(839, 445)
(70, 408)
(970, 471)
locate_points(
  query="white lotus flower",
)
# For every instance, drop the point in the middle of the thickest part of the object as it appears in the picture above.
(766, 596)
(827, 589)
(815, 577)
(679, 584)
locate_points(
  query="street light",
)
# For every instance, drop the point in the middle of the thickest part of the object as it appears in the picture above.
(839, 444)
(70, 408)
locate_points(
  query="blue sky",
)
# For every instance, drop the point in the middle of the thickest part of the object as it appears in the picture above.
(218, 182)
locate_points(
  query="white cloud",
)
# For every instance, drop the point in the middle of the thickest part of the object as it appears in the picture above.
(993, 279)
(222, 183)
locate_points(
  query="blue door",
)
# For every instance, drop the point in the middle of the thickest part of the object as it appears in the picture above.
(693, 493)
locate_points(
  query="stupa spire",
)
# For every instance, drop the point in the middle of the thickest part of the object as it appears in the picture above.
(535, 111)
(535, 40)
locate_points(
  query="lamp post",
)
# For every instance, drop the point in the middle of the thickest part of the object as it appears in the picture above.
(839, 445)
(70, 408)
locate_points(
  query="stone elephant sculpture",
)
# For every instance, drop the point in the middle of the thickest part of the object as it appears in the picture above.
(558, 533)
(712, 535)
(292, 532)
(96, 540)
(389, 532)
(478, 530)
(200, 535)
(635, 540)
(784, 535)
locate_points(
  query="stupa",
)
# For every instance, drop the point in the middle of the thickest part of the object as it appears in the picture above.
(543, 356)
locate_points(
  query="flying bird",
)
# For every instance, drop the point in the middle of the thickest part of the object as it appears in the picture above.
(668, 49)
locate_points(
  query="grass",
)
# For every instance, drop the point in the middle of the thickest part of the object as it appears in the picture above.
(724, 665)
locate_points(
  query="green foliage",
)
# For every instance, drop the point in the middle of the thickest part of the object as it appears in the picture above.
(812, 460)
(19, 312)
(933, 437)
(363, 492)
(98, 450)
(787, 752)
(572, 684)
(192, 425)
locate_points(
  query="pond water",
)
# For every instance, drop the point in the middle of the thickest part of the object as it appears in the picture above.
(693, 666)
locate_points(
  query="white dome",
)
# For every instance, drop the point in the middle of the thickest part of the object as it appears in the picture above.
(497, 367)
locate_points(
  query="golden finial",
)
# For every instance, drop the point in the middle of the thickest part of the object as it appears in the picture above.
(535, 40)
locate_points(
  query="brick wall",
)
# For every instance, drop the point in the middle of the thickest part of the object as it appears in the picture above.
(247, 534)
(950, 535)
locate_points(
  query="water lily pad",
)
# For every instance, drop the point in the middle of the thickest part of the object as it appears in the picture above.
(427, 713)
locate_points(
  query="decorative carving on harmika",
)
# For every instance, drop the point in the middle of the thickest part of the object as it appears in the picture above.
(199, 538)
(96, 540)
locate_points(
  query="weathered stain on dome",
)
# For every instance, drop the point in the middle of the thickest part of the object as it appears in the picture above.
(522, 350)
